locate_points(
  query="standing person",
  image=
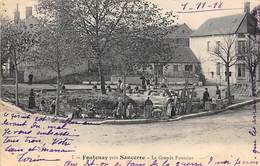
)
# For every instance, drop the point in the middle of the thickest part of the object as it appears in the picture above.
(30, 78)
(119, 109)
(129, 110)
(109, 88)
(148, 107)
(170, 111)
(122, 87)
(148, 82)
(136, 89)
(205, 96)
(164, 83)
(119, 85)
(156, 81)
(31, 99)
(43, 105)
(53, 106)
(143, 82)
(218, 93)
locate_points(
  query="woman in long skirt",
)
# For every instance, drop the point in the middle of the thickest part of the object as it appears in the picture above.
(148, 107)
(31, 99)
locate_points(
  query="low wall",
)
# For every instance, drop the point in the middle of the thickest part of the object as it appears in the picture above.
(135, 80)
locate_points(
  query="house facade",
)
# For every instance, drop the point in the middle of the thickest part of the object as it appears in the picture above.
(180, 68)
(183, 64)
(233, 31)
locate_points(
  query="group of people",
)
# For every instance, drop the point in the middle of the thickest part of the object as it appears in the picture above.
(169, 110)
(145, 82)
(44, 106)
(128, 112)
(124, 111)
(206, 96)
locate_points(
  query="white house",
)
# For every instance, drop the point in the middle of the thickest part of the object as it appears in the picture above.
(216, 31)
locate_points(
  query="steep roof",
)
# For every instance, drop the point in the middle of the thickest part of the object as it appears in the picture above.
(240, 23)
(180, 31)
(180, 54)
(184, 55)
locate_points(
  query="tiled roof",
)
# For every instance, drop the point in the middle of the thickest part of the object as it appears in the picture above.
(180, 54)
(224, 25)
(180, 31)
(184, 55)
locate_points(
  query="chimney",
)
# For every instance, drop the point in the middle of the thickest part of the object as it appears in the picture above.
(28, 11)
(17, 14)
(247, 7)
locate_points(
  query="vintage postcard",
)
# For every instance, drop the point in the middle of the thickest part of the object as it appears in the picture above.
(129, 82)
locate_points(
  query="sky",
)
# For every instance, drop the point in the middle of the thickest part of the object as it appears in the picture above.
(191, 12)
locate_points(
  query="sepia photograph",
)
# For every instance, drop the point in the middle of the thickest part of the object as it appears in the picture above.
(129, 82)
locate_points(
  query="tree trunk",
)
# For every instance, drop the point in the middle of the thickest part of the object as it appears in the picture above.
(1, 70)
(58, 94)
(16, 86)
(101, 77)
(124, 92)
(228, 84)
(253, 83)
(1, 73)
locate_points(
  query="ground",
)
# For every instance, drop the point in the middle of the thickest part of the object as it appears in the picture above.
(225, 128)
(224, 136)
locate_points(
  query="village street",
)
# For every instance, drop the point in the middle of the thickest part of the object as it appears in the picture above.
(224, 128)
(222, 134)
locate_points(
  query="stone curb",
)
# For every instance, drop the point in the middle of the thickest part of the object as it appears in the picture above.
(182, 117)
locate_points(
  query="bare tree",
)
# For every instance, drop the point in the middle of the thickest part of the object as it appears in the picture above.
(56, 52)
(60, 47)
(225, 51)
(2, 19)
(251, 59)
(17, 43)
(101, 21)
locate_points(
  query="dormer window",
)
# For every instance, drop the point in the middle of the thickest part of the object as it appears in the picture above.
(240, 35)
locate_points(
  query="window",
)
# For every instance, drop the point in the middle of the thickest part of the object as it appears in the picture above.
(241, 70)
(241, 47)
(218, 46)
(187, 42)
(178, 41)
(175, 68)
(188, 68)
(241, 35)
(182, 41)
(218, 68)
(208, 46)
(212, 74)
